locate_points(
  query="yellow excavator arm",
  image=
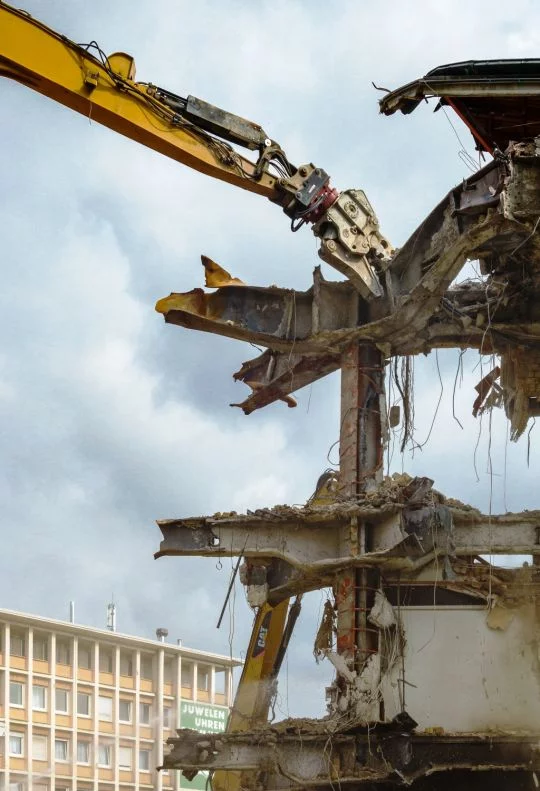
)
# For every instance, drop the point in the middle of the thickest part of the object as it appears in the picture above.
(272, 630)
(195, 133)
(103, 88)
(205, 138)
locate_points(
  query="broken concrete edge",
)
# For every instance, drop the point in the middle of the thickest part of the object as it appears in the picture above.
(416, 535)
(308, 756)
(491, 217)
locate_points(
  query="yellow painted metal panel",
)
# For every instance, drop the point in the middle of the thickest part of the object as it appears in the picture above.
(18, 662)
(40, 666)
(253, 695)
(84, 723)
(18, 764)
(187, 692)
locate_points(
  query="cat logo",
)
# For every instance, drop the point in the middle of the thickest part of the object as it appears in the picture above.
(260, 642)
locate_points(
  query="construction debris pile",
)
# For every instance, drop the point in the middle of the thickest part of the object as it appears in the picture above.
(430, 589)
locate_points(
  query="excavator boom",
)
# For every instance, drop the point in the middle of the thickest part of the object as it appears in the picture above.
(197, 134)
(104, 89)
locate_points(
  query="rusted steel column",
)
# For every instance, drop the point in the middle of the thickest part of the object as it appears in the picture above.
(361, 466)
(360, 449)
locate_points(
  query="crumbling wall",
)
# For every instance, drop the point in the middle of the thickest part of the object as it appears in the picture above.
(520, 380)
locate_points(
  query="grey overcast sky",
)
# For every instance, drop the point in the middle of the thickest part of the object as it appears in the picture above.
(111, 419)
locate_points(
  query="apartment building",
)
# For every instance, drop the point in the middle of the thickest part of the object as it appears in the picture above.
(90, 710)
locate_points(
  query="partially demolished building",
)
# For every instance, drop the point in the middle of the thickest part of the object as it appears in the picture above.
(435, 645)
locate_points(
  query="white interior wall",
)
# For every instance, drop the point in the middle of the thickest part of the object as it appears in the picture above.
(464, 676)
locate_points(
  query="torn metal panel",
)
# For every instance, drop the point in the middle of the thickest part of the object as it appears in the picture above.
(275, 375)
(279, 318)
(217, 277)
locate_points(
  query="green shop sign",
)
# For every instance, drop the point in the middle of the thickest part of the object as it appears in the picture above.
(207, 719)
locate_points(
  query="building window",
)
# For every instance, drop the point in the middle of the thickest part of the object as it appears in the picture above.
(16, 693)
(41, 648)
(203, 678)
(17, 644)
(83, 704)
(168, 672)
(40, 787)
(104, 755)
(16, 744)
(126, 664)
(63, 654)
(105, 660)
(146, 667)
(167, 717)
(125, 757)
(85, 657)
(187, 674)
(61, 747)
(83, 752)
(144, 713)
(124, 711)
(16, 787)
(220, 681)
(62, 700)
(144, 760)
(39, 697)
(105, 708)
(39, 748)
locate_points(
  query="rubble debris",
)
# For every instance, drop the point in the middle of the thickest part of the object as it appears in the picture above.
(394, 416)
(483, 387)
(324, 639)
(499, 617)
(382, 612)
(307, 754)
(295, 549)
(520, 381)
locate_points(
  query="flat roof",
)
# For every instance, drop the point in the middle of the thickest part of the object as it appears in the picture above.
(115, 638)
(499, 100)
